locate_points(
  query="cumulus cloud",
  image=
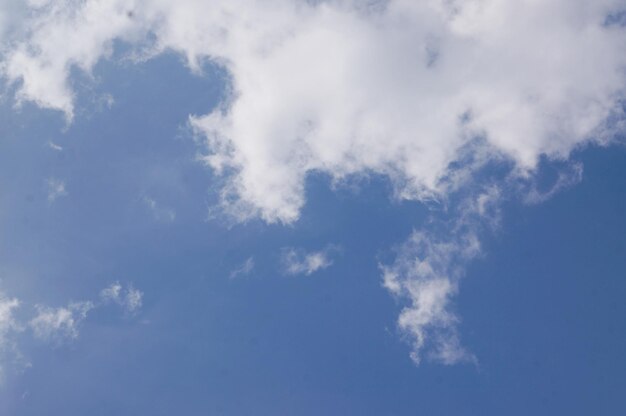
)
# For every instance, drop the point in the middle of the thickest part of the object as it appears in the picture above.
(427, 93)
(41, 63)
(129, 298)
(298, 261)
(341, 88)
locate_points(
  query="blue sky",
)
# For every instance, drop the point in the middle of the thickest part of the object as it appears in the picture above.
(203, 211)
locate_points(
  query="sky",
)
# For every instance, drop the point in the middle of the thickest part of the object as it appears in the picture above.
(330, 207)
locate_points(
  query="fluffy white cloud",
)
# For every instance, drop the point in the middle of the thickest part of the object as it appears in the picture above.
(399, 89)
(425, 92)
(55, 37)
(298, 261)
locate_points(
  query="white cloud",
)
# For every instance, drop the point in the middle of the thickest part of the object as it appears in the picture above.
(339, 88)
(56, 189)
(111, 293)
(129, 298)
(243, 269)
(55, 146)
(7, 321)
(424, 92)
(298, 261)
(566, 178)
(133, 300)
(53, 324)
(427, 270)
(42, 62)
(61, 323)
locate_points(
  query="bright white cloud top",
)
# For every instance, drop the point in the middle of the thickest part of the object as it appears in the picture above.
(426, 93)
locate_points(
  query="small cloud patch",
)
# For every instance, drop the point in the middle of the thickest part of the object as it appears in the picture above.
(297, 261)
(243, 269)
(56, 189)
(129, 298)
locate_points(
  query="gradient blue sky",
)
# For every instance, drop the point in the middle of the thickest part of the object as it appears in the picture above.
(224, 327)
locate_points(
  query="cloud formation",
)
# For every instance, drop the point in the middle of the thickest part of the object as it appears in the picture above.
(56, 325)
(129, 298)
(427, 270)
(298, 261)
(59, 323)
(427, 93)
(404, 88)
(243, 269)
(56, 189)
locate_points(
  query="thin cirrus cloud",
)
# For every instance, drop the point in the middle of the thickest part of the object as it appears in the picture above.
(160, 212)
(298, 261)
(243, 269)
(427, 93)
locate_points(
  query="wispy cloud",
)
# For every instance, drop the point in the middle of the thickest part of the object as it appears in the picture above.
(160, 212)
(55, 146)
(243, 269)
(426, 273)
(7, 320)
(56, 189)
(8, 325)
(61, 323)
(298, 261)
(58, 325)
(129, 298)
(571, 175)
